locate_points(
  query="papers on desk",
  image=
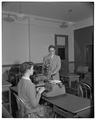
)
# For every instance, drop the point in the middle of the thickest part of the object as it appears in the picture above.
(55, 81)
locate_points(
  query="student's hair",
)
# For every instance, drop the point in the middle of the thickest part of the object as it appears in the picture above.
(51, 46)
(25, 66)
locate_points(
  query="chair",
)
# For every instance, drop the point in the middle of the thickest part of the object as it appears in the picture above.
(84, 90)
(22, 109)
(26, 112)
(5, 113)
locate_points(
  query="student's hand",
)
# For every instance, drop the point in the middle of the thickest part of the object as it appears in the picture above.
(53, 73)
(38, 88)
(41, 90)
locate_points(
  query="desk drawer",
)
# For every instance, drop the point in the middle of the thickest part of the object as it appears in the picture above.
(63, 112)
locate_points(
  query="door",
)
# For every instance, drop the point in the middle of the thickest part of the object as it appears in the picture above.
(61, 43)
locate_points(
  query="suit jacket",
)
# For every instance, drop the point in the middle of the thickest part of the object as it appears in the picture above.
(55, 64)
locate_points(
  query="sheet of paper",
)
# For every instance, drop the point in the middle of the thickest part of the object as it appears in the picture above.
(55, 81)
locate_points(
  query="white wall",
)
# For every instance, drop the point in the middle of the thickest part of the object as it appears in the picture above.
(71, 46)
(41, 37)
(14, 43)
(40, 40)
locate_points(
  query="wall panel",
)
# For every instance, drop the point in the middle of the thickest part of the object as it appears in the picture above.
(14, 43)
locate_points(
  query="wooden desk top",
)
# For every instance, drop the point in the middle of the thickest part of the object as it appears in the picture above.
(14, 89)
(5, 86)
(71, 103)
(6, 83)
(72, 75)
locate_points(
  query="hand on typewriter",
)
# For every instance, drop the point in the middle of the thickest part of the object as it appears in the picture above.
(40, 89)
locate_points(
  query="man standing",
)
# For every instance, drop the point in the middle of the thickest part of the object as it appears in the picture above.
(53, 63)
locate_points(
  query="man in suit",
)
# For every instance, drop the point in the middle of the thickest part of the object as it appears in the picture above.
(53, 62)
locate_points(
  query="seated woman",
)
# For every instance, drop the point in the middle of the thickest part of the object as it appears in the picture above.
(27, 91)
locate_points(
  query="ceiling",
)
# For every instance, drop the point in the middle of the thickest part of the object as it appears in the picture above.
(67, 11)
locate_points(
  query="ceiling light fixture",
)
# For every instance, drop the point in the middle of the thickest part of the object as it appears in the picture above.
(9, 18)
(6, 16)
(66, 24)
(21, 16)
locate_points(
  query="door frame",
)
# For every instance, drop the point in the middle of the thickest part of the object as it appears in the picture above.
(66, 49)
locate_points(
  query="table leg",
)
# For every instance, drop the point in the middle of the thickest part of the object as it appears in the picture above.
(69, 83)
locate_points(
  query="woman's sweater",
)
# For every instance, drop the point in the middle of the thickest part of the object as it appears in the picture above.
(27, 92)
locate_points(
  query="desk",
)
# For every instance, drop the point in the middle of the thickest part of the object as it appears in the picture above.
(72, 77)
(14, 89)
(6, 95)
(69, 105)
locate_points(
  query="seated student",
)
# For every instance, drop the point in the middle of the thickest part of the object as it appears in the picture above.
(26, 89)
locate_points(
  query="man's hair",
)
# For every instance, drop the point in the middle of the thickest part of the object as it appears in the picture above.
(25, 66)
(51, 46)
